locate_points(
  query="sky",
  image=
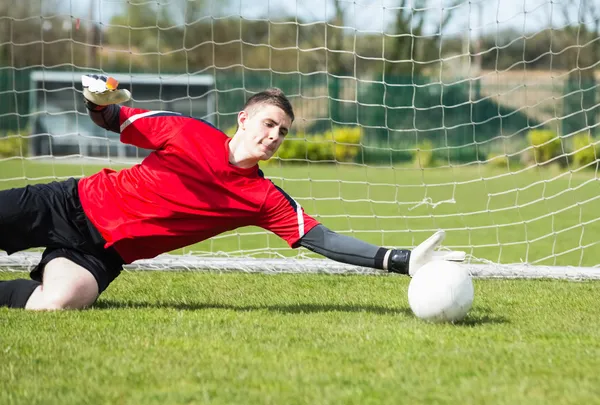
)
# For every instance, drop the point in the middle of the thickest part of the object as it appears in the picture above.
(474, 16)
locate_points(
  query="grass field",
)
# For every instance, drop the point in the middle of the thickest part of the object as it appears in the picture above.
(206, 338)
(541, 216)
(200, 338)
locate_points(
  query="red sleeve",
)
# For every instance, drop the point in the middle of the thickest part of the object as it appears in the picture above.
(283, 216)
(149, 129)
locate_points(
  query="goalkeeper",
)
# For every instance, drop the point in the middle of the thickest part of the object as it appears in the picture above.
(196, 183)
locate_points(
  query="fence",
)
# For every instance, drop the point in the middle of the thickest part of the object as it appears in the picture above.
(396, 116)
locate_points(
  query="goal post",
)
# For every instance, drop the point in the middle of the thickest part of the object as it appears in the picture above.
(60, 127)
(409, 119)
(26, 261)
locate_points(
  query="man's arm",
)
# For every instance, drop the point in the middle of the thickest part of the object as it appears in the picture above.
(138, 127)
(106, 117)
(353, 251)
(285, 217)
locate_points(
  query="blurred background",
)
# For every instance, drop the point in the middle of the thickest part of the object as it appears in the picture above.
(475, 75)
(476, 116)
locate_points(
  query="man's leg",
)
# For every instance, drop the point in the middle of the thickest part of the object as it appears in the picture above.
(74, 268)
(16, 293)
(65, 285)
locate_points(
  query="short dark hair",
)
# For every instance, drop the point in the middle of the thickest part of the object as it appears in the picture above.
(271, 96)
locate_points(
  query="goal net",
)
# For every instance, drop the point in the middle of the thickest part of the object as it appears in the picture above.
(477, 117)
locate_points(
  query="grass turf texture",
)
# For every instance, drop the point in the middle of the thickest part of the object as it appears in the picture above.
(541, 216)
(175, 338)
(160, 338)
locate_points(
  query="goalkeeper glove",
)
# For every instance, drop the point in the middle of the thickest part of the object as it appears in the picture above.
(408, 262)
(100, 91)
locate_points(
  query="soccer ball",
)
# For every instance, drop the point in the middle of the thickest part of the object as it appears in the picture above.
(441, 291)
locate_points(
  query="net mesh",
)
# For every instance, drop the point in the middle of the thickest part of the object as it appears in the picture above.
(476, 117)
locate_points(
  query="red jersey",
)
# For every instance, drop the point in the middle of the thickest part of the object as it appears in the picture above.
(184, 192)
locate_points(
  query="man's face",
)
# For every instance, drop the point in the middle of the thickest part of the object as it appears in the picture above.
(264, 127)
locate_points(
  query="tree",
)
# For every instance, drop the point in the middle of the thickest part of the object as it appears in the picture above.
(409, 50)
(35, 37)
(581, 107)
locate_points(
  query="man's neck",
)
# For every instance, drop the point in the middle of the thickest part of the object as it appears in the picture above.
(239, 157)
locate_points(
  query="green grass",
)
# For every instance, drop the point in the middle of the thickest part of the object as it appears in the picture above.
(541, 215)
(201, 338)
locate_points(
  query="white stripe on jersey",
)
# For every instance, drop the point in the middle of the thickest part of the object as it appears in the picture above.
(300, 219)
(131, 119)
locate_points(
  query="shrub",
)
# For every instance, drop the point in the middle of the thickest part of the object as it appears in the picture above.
(423, 155)
(12, 144)
(546, 144)
(230, 131)
(346, 142)
(294, 147)
(319, 148)
(497, 160)
(586, 151)
(341, 144)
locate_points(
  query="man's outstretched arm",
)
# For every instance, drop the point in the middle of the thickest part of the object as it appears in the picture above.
(353, 251)
(138, 127)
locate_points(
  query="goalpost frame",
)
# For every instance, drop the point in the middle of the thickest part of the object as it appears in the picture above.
(26, 261)
(397, 131)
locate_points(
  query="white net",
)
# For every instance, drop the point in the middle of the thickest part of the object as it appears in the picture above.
(477, 117)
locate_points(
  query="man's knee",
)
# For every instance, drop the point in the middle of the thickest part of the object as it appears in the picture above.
(66, 285)
(55, 300)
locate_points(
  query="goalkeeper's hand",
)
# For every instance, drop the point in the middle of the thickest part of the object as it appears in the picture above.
(103, 90)
(409, 262)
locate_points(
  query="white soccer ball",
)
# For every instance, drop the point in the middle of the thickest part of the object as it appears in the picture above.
(441, 291)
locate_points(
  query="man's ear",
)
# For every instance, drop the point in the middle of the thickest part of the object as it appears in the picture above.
(241, 118)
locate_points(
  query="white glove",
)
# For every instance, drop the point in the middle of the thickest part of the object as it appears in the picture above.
(425, 252)
(102, 90)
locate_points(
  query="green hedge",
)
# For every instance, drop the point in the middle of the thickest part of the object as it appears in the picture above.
(12, 144)
(341, 144)
(586, 149)
(546, 144)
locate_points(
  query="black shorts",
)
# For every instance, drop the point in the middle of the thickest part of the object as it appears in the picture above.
(50, 216)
